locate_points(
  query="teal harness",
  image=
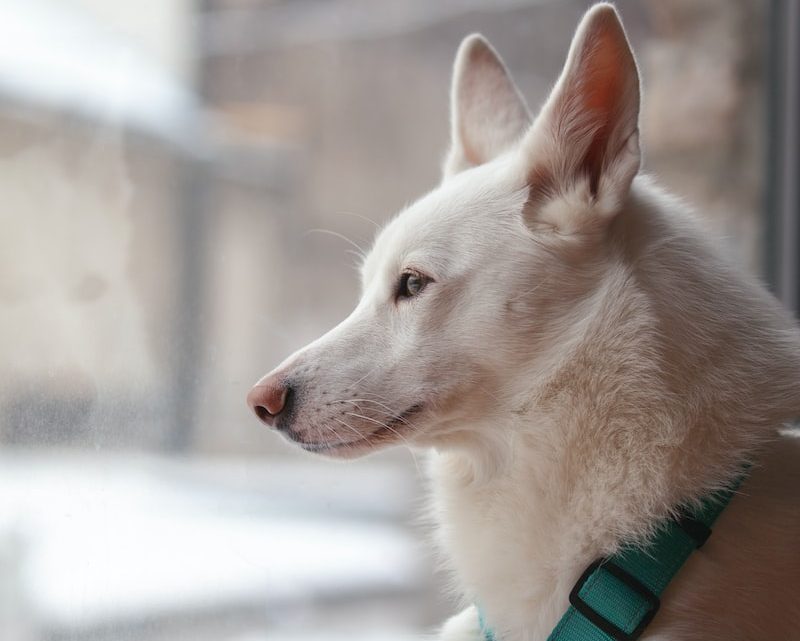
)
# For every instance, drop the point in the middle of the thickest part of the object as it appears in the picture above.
(617, 597)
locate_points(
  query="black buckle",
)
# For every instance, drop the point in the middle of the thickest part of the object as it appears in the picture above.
(598, 619)
(697, 530)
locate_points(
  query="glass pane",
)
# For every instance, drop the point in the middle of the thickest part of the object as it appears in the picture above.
(185, 188)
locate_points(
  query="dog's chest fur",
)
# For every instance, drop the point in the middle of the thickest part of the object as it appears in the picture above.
(513, 551)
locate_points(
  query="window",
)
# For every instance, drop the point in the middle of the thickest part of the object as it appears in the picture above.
(163, 164)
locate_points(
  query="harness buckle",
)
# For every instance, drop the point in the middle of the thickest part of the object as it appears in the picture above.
(597, 619)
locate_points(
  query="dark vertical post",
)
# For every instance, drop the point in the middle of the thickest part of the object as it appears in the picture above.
(194, 203)
(194, 206)
(782, 251)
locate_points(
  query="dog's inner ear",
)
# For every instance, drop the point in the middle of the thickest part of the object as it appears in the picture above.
(488, 114)
(584, 143)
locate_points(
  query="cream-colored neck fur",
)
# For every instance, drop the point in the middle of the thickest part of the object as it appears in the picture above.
(678, 369)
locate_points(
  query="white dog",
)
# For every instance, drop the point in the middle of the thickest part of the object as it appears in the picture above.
(580, 359)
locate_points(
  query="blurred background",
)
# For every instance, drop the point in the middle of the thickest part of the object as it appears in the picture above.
(163, 167)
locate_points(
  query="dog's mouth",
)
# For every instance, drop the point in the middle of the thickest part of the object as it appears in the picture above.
(389, 431)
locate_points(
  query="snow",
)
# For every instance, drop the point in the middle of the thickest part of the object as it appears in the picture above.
(110, 538)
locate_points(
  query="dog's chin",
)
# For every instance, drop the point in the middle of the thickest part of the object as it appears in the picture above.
(348, 450)
(394, 432)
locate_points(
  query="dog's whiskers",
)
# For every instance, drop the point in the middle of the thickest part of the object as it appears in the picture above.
(393, 414)
(391, 429)
(361, 251)
(328, 428)
(362, 217)
(349, 427)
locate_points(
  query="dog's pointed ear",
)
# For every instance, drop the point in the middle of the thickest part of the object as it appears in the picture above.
(487, 112)
(583, 148)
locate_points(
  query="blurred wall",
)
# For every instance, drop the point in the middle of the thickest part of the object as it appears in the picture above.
(705, 71)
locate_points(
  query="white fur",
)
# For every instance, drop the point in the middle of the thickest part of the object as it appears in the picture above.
(584, 362)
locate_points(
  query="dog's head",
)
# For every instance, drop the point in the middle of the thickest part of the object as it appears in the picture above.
(467, 290)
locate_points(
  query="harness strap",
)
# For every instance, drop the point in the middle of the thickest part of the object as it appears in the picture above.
(617, 597)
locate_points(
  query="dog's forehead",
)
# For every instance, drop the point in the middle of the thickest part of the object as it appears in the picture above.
(453, 219)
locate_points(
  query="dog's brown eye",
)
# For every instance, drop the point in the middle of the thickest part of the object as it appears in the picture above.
(411, 284)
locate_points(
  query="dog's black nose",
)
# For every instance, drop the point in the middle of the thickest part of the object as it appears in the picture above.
(270, 398)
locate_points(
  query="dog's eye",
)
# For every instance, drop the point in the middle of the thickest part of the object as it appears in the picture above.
(411, 284)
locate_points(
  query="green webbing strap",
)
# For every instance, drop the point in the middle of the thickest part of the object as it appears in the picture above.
(617, 597)
(488, 635)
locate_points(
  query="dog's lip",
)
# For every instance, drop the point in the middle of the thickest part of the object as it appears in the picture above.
(372, 438)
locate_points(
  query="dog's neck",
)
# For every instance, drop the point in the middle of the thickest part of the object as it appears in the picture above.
(520, 533)
(523, 521)
(651, 405)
